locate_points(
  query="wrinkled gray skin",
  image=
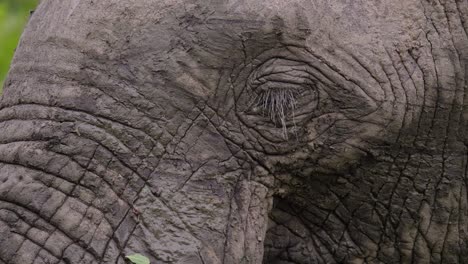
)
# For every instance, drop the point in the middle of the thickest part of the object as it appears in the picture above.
(155, 127)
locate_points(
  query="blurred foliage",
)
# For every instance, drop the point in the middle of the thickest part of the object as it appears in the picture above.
(13, 17)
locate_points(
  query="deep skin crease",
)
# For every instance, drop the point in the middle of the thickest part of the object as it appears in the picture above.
(279, 132)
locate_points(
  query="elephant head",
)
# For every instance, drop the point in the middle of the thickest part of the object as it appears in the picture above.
(231, 131)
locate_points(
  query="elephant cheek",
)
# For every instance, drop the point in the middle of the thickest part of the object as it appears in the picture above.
(202, 204)
(202, 228)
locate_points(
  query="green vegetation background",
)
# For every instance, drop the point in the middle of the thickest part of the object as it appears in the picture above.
(14, 15)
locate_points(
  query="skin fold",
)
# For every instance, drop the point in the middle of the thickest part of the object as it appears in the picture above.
(218, 131)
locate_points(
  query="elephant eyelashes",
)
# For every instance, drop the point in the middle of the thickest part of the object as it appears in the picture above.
(282, 106)
(278, 105)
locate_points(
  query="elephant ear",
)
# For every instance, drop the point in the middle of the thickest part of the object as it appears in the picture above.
(138, 259)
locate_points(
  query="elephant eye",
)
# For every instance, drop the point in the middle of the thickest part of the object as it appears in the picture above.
(281, 97)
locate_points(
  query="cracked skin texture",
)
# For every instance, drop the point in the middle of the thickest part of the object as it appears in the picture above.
(220, 131)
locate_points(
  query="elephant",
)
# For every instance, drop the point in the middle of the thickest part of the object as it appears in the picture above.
(233, 131)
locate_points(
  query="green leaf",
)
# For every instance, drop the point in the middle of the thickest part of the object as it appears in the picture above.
(138, 259)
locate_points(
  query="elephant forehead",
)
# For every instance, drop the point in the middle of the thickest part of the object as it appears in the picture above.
(327, 23)
(348, 19)
(344, 21)
(213, 35)
(141, 27)
(151, 22)
(155, 44)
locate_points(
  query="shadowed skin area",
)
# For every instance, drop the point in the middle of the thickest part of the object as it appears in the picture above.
(237, 132)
